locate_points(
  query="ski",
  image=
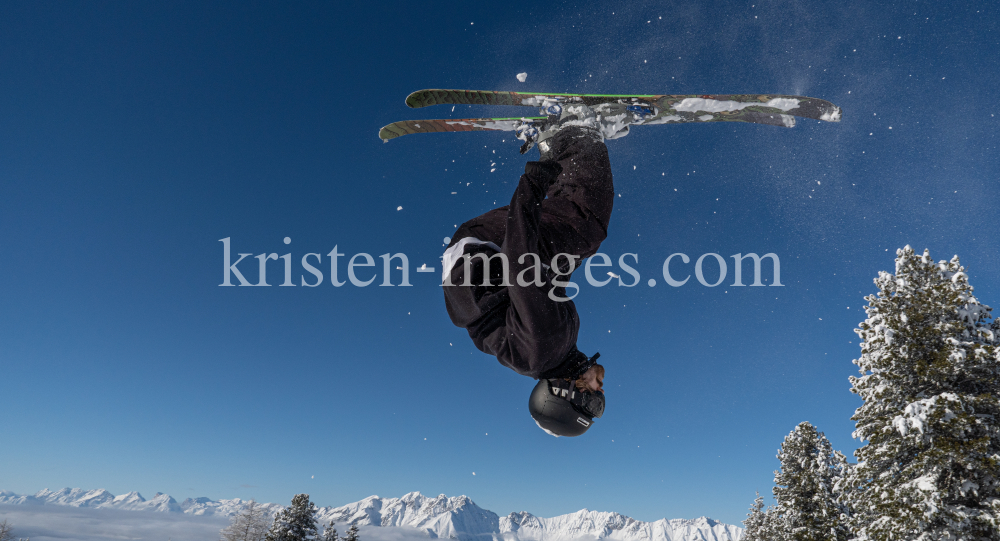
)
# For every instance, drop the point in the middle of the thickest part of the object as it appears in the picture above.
(520, 124)
(406, 127)
(655, 105)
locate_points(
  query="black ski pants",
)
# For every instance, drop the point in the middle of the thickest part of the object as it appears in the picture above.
(577, 208)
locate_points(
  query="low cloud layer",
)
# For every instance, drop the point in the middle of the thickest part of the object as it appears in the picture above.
(45, 523)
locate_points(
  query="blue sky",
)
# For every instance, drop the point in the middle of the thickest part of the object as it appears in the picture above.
(136, 136)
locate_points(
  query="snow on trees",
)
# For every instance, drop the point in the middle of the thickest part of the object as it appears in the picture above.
(805, 487)
(807, 507)
(763, 524)
(296, 522)
(330, 533)
(6, 531)
(352, 533)
(250, 524)
(930, 374)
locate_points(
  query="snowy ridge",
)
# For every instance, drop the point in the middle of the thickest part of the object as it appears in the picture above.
(437, 517)
(132, 501)
(224, 508)
(609, 525)
(457, 517)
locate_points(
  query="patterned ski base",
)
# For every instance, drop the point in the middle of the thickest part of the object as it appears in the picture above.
(770, 109)
(664, 104)
(406, 127)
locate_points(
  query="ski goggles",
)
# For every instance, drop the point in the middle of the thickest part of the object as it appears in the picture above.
(588, 403)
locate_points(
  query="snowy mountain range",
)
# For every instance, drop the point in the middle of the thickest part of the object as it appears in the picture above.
(440, 517)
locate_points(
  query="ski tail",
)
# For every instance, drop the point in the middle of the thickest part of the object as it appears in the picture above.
(770, 119)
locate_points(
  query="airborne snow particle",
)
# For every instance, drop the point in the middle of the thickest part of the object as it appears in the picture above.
(288, 240)
(399, 207)
(522, 77)
(447, 240)
(473, 473)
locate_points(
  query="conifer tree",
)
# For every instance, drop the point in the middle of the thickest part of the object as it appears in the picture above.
(931, 418)
(330, 533)
(754, 524)
(805, 487)
(763, 524)
(352, 533)
(296, 522)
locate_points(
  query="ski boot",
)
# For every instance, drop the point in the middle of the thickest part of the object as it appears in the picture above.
(605, 121)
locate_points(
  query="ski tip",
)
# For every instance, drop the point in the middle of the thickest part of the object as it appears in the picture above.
(415, 99)
(386, 133)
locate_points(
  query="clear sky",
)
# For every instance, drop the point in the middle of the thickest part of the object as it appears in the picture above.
(134, 136)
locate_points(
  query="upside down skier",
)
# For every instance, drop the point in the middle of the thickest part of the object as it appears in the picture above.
(505, 272)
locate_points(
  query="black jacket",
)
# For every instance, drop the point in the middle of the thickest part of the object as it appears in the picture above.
(522, 326)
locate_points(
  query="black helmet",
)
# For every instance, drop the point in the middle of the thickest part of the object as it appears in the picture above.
(561, 410)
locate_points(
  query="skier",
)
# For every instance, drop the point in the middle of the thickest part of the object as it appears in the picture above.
(506, 271)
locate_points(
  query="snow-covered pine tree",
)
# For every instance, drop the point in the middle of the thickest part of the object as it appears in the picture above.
(754, 524)
(762, 524)
(805, 487)
(930, 375)
(330, 533)
(250, 524)
(352, 533)
(296, 522)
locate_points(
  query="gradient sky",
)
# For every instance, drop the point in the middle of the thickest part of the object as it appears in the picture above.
(134, 136)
